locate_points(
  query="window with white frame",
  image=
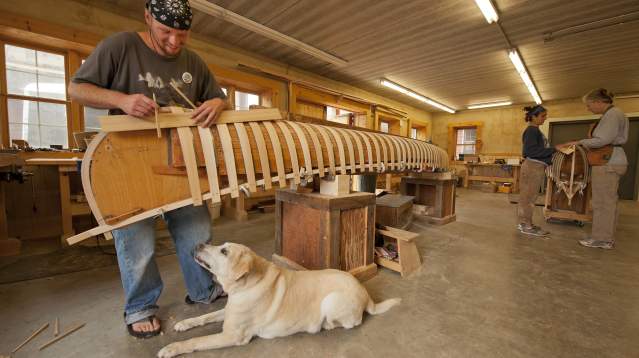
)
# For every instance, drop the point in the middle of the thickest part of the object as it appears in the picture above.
(413, 133)
(36, 96)
(466, 141)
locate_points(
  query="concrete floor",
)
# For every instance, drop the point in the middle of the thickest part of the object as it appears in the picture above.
(482, 291)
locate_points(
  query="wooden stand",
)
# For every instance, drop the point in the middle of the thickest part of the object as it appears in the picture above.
(319, 231)
(409, 259)
(556, 205)
(436, 190)
(394, 210)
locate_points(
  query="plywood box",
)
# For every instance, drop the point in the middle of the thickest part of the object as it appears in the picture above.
(394, 210)
(319, 231)
(436, 193)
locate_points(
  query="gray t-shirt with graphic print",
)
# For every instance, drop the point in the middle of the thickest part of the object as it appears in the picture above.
(124, 63)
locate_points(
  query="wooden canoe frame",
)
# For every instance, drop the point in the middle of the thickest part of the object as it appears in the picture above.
(128, 174)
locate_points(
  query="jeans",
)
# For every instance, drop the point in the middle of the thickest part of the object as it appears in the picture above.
(135, 247)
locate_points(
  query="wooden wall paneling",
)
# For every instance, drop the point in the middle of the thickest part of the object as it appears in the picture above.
(208, 148)
(245, 145)
(229, 158)
(308, 163)
(318, 149)
(186, 141)
(292, 149)
(4, 111)
(263, 153)
(340, 148)
(75, 113)
(277, 149)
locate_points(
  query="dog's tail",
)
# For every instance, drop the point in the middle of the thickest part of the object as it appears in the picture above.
(379, 308)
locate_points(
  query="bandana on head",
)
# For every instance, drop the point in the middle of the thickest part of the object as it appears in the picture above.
(172, 13)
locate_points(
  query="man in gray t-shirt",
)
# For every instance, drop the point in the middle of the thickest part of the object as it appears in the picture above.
(122, 74)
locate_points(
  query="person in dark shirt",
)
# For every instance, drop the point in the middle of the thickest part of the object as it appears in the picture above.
(123, 74)
(537, 156)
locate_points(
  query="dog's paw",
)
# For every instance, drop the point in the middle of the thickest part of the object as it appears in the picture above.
(184, 325)
(169, 351)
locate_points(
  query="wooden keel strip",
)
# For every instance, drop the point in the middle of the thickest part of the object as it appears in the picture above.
(277, 148)
(340, 148)
(369, 152)
(360, 150)
(349, 145)
(247, 155)
(188, 151)
(292, 150)
(329, 148)
(318, 149)
(308, 163)
(229, 158)
(263, 152)
(208, 148)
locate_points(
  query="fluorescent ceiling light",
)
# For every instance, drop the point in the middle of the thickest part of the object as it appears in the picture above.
(418, 97)
(248, 24)
(488, 10)
(492, 104)
(521, 69)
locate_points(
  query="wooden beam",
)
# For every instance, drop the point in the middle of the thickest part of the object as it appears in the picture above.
(174, 120)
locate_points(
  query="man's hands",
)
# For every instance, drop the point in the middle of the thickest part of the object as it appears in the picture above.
(208, 112)
(138, 105)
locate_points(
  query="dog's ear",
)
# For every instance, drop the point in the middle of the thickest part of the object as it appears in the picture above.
(243, 266)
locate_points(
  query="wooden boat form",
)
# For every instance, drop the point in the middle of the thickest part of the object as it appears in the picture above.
(568, 188)
(129, 173)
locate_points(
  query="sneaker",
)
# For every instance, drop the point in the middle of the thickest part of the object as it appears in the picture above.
(532, 230)
(606, 245)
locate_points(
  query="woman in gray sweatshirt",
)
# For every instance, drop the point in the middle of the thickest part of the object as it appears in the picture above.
(610, 129)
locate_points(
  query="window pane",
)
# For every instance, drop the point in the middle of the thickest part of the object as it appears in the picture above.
(53, 114)
(35, 73)
(383, 126)
(51, 83)
(244, 100)
(30, 133)
(41, 124)
(22, 111)
(413, 133)
(91, 122)
(53, 135)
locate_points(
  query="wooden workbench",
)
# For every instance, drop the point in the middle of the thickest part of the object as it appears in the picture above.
(493, 173)
(68, 208)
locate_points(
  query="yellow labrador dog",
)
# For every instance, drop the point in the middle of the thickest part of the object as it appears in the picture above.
(268, 301)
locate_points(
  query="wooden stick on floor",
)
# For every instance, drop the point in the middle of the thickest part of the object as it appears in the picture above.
(56, 327)
(61, 336)
(157, 120)
(44, 326)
